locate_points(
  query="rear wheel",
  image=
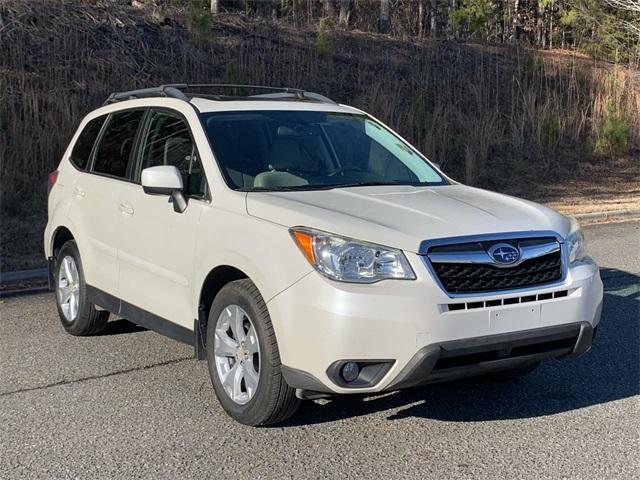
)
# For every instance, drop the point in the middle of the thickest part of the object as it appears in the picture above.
(243, 358)
(77, 315)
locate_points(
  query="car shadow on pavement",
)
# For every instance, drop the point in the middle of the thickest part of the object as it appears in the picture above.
(610, 371)
(117, 327)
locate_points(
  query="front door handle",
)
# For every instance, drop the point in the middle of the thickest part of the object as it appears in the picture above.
(126, 208)
(79, 192)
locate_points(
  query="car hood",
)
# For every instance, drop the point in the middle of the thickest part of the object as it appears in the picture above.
(404, 216)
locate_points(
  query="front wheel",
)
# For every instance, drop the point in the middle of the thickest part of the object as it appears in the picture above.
(243, 358)
(77, 315)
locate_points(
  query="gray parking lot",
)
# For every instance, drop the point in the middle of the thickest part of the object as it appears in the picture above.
(131, 403)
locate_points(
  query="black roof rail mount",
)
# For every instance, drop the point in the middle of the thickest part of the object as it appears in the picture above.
(173, 91)
(182, 91)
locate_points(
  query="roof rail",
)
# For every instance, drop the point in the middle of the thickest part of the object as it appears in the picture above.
(173, 91)
(304, 95)
(279, 92)
(182, 91)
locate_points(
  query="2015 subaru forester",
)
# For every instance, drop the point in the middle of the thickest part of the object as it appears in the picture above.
(305, 249)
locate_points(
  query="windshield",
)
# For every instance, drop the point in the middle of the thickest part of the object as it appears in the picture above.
(308, 150)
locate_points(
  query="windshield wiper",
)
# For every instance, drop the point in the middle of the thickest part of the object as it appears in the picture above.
(364, 184)
(296, 188)
(303, 188)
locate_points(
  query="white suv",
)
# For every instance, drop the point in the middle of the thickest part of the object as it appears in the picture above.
(305, 249)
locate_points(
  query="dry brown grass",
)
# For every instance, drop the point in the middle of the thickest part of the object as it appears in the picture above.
(507, 119)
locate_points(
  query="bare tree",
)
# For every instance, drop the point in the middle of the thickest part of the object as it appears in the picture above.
(540, 26)
(215, 7)
(433, 14)
(384, 16)
(516, 21)
(420, 18)
(630, 6)
(327, 7)
(453, 5)
(343, 18)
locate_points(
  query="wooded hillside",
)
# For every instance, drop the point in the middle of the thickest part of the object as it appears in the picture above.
(604, 28)
(507, 117)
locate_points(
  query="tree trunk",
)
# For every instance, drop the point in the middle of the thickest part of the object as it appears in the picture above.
(215, 7)
(384, 16)
(469, 166)
(433, 19)
(452, 26)
(551, 26)
(516, 21)
(540, 38)
(420, 18)
(343, 18)
(327, 6)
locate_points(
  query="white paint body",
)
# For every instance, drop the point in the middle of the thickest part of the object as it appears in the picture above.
(135, 247)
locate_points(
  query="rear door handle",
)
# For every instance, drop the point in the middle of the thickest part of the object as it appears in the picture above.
(79, 192)
(126, 208)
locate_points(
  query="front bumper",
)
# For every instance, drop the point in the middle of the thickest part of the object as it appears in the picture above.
(481, 355)
(410, 326)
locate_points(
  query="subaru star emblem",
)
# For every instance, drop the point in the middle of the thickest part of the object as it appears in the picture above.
(504, 253)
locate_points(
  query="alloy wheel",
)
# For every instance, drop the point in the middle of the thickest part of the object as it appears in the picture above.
(237, 354)
(68, 288)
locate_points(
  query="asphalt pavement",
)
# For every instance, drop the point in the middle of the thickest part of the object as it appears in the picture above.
(133, 404)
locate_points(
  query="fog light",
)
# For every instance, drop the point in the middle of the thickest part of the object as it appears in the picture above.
(350, 371)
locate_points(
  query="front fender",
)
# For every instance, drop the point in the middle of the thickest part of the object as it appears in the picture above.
(267, 255)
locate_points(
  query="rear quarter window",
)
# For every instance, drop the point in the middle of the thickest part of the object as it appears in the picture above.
(82, 149)
(113, 152)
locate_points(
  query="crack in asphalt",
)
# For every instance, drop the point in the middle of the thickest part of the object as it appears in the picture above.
(97, 377)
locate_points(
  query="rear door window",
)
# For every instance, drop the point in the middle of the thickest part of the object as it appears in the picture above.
(114, 151)
(82, 149)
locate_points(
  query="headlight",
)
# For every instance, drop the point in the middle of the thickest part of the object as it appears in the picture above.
(347, 260)
(575, 243)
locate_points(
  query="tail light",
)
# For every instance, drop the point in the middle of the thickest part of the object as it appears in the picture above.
(53, 178)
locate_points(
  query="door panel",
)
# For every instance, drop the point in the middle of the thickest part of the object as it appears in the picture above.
(156, 244)
(94, 210)
(156, 254)
(94, 199)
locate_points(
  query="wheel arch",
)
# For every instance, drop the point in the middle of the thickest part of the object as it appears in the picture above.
(61, 235)
(215, 280)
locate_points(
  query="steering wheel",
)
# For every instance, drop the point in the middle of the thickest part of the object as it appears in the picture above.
(345, 169)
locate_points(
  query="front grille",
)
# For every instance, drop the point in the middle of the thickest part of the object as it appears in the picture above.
(460, 278)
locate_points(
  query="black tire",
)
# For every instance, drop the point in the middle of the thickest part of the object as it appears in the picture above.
(273, 401)
(514, 373)
(88, 320)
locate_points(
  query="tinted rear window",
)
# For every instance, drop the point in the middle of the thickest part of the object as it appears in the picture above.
(82, 149)
(112, 155)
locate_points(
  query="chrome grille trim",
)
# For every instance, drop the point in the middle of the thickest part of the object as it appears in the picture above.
(525, 236)
(480, 256)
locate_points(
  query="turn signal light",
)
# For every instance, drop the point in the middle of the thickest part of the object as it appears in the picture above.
(305, 244)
